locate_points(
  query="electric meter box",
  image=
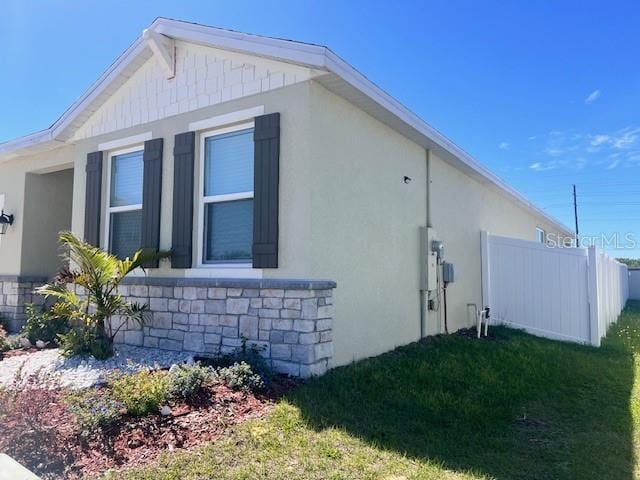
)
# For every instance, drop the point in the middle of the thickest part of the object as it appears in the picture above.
(432, 271)
(429, 259)
(448, 273)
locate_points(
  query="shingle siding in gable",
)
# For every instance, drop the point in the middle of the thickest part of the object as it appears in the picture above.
(204, 76)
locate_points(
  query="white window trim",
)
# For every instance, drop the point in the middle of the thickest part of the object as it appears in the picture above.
(125, 142)
(540, 231)
(227, 119)
(224, 268)
(108, 208)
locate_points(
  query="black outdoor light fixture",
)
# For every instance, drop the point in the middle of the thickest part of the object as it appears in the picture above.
(5, 221)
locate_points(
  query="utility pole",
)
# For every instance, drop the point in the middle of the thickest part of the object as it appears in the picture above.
(575, 214)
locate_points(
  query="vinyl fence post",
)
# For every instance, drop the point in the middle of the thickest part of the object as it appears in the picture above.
(484, 255)
(594, 323)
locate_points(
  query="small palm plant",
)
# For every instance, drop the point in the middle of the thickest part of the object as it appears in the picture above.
(92, 310)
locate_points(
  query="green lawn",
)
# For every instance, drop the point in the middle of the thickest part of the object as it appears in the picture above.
(513, 407)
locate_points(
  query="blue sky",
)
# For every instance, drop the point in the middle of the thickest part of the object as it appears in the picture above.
(544, 93)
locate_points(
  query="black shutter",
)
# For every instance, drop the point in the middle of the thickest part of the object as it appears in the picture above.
(266, 179)
(151, 197)
(93, 199)
(182, 232)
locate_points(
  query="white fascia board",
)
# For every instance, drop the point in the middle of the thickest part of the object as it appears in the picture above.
(283, 50)
(26, 141)
(99, 86)
(52, 133)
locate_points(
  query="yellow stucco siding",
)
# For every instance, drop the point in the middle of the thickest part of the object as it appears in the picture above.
(365, 230)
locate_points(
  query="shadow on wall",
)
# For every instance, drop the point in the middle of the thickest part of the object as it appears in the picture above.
(509, 407)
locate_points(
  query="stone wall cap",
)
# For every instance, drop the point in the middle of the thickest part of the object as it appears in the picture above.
(23, 279)
(279, 283)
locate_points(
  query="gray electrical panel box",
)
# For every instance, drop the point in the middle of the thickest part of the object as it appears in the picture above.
(448, 274)
(430, 259)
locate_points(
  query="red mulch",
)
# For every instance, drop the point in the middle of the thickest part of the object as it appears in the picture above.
(37, 429)
(17, 352)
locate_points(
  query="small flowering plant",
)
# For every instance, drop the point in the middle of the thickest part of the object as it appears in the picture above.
(94, 410)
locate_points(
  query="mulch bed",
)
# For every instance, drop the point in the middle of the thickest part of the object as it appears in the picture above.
(18, 352)
(37, 429)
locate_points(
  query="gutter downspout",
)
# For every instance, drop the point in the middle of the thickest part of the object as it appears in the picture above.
(429, 188)
(424, 294)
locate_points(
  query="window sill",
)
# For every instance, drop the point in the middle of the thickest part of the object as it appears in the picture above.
(231, 270)
(236, 270)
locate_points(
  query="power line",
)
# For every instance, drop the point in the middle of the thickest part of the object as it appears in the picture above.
(593, 204)
(623, 219)
(595, 196)
(582, 184)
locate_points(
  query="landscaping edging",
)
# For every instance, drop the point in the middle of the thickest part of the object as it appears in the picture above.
(16, 292)
(290, 320)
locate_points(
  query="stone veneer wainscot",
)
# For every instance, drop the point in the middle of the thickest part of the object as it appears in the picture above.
(290, 320)
(16, 292)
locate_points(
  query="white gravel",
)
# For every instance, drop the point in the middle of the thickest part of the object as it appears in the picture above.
(51, 369)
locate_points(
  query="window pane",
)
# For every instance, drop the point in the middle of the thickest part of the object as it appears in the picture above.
(228, 166)
(228, 235)
(126, 179)
(124, 233)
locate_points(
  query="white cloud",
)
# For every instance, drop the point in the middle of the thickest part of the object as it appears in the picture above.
(623, 139)
(569, 149)
(503, 145)
(597, 140)
(544, 166)
(614, 164)
(626, 138)
(554, 151)
(593, 96)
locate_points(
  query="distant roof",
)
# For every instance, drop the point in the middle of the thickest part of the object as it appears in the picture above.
(340, 77)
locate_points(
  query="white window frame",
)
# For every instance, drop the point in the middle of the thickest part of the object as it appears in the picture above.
(203, 201)
(108, 208)
(539, 239)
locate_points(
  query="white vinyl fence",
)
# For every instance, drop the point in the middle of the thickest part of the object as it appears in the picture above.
(571, 294)
(634, 283)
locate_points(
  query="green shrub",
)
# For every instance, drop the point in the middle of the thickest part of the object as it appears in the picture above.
(143, 392)
(84, 342)
(240, 376)
(42, 325)
(94, 410)
(187, 380)
(251, 355)
(4, 341)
